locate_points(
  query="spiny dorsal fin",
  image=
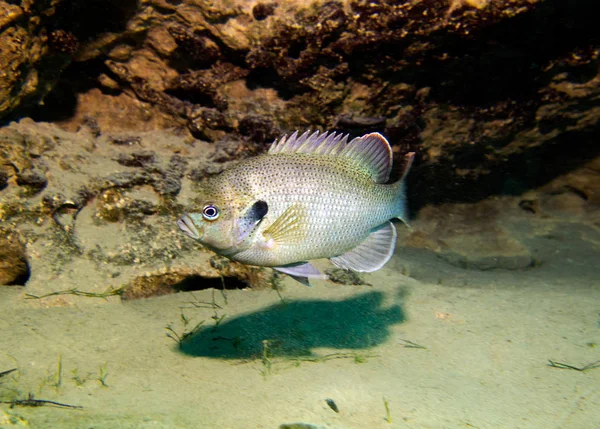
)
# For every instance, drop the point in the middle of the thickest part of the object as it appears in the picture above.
(371, 151)
(315, 143)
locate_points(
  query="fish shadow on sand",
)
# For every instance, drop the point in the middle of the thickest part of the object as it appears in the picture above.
(294, 329)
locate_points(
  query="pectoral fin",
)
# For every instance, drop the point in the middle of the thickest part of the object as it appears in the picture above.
(302, 272)
(288, 228)
(371, 254)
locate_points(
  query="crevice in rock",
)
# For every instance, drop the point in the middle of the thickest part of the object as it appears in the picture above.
(87, 19)
(22, 277)
(529, 169)
(61, 102)
(193, 283)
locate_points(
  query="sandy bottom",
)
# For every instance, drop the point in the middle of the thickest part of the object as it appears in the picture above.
(443, 346)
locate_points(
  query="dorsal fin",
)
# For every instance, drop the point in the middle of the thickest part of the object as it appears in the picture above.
(374, 153)
(315, 143)
(371, 151)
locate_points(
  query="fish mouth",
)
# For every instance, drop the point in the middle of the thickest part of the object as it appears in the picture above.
(186, 224)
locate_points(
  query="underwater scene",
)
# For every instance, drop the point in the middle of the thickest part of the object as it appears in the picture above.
(299, 214)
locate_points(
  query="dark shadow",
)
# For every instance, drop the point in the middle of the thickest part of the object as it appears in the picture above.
(88, 19)
(22, 278)
(501, 68)
(504, 60)
(192, 283)
(61, 103)
(263, 77)
(530, 169)
(294, 329)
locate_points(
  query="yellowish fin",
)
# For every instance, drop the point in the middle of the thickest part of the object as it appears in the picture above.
(288, 228)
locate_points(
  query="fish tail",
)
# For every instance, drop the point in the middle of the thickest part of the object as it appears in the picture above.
(401, 203)
(401, 209)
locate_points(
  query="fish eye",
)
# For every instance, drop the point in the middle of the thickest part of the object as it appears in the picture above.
(210, 212)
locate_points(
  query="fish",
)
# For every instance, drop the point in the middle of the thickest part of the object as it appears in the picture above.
(311, 196)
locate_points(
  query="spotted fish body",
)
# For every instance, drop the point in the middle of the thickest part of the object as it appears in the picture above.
(311, 196)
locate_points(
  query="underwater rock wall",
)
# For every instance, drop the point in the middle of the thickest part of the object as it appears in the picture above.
(28, 66)
(495, 97)
(96, 211)
(40, 38)
(93, 213)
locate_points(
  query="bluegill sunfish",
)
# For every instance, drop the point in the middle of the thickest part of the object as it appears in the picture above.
(311, 196)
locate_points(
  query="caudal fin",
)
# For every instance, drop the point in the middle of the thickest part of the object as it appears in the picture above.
(401, 198)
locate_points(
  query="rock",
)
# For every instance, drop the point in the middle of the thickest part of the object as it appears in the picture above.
(113, 206)
(574, 195)
(23, 48)
(198, 49)
(127, 179)
(126, 140)
(136, 159)
(568, 203)
(487, 110)
(300, 426)
(156, 284)
(262, 11)
(489, 106)
(39, 39)
(491, 250)
(169, 185)
(471, 236)
(3, 179)
(258, 128)
(224, 274)
(583, 181)
(345, 277)
(35, 180)
(107, 216)
(207, 123)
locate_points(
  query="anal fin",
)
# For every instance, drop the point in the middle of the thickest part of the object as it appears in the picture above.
(371, 254)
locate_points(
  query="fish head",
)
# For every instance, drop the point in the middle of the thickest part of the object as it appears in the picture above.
(217, 220)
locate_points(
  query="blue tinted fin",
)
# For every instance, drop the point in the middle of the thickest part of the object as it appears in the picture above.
(402, 208)
(302, 272)
(371, 254)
